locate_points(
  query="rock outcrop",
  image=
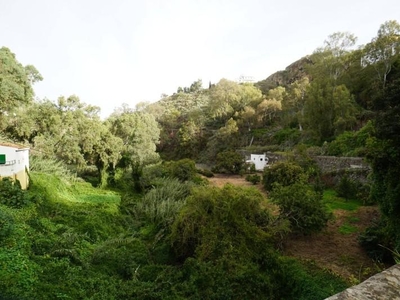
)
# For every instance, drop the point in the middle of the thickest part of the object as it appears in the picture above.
(382, 286)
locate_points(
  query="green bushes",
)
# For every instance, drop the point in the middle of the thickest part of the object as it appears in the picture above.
(11, 193)
(217, 222)
(229, 162)
(6, 225)
(302, 206)
(284, 173)
(253, 178)
(161, 204)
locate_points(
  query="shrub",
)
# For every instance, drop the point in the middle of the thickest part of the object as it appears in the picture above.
(11, 193)
(284, 173)
(229, 162)
(6, 225)
(161, 204)
(253, 178)
(302, 206)
(215, 223)
(205, 172)
(347, 188)
(184, 169)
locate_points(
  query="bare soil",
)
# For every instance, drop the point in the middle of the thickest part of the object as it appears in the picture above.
(332, 249)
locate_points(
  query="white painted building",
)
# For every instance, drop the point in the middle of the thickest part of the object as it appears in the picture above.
(14, 163)
(260, 161)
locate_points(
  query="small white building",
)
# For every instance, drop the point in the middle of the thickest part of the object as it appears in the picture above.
(260, 161)
(14, 163)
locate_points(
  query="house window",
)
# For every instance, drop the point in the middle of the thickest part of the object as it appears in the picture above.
(2, 159)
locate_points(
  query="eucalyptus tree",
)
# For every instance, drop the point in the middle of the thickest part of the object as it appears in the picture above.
(384, 50)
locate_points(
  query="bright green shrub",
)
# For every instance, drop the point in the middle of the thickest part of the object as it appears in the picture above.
(302, 206)
(284, 173)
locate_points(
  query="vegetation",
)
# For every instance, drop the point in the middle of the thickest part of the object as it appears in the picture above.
(116, 208)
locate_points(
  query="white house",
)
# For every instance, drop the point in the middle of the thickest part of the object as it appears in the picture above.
(260, 161)
(14, 163)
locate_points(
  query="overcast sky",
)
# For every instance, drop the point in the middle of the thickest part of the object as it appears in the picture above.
(128, 51)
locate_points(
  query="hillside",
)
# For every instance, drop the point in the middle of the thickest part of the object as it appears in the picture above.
(293, 72)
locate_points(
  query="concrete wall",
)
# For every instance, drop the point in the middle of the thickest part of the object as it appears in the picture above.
(17, 164)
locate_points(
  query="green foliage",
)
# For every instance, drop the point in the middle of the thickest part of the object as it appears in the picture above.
(351, 143)
(285, 173)
(253, 178)
(217, 223)
(287, 137)
(205, 172)
(6, 225)
(302, 206)
(347, 188)
(161, 204)
(184, 169)
(333, 202)
(15, 81)
(229, 161)
(57, 168)
(373, 240)
(11, 193)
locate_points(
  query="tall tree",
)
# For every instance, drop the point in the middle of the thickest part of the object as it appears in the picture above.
(384, 49)
(15, 81)
(140, 134)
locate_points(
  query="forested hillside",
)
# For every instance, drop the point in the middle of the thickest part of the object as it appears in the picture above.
(117, 209)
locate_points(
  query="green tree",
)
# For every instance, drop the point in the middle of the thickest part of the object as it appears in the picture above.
(384, 154)
(284, 173)
(302, 206)
(219, 223)
(15, 81)
(229, 161)
(383, 51)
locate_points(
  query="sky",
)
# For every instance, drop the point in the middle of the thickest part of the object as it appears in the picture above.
(128, 51)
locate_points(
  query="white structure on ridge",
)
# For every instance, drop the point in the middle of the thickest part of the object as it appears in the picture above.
(260, 161)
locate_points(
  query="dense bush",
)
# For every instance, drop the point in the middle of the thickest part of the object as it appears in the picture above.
(217, 222)
(6, 225)
(302, 206)
(184, 169)
(205, 172)
(11, 193)
(285, 173)
(161, 204)
(253, 178)
(351, 143)
(347, 188)
(229, 162)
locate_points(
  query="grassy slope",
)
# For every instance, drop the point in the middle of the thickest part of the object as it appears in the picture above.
(51, 246)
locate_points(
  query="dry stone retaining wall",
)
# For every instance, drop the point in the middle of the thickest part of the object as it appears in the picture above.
(382, 286)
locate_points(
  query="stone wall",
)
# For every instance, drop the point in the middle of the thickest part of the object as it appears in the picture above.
(382, 286)
(329, 164)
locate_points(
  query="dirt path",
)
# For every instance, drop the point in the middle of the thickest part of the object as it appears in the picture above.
(335, 248)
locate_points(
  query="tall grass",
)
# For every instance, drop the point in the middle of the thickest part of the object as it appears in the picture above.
(161, 204)
(52, 166)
